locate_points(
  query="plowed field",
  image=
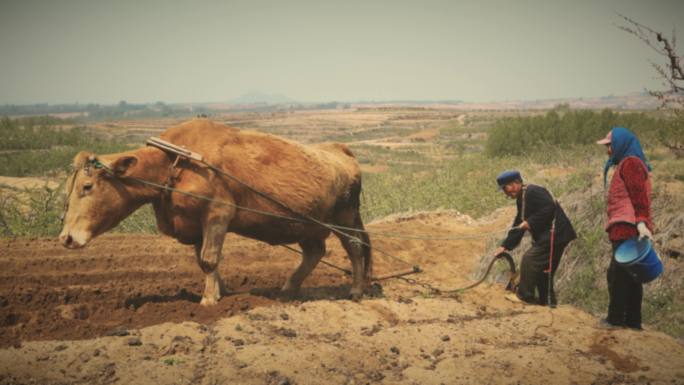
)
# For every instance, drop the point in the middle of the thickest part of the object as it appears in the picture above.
(125, 309)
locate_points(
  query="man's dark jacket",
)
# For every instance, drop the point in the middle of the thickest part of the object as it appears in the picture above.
(540, 208)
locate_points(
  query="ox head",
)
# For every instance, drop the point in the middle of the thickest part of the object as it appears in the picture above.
(97, 198)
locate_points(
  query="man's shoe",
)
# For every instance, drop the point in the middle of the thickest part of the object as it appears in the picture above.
(605, 324)
(513, 297)
(514, 282)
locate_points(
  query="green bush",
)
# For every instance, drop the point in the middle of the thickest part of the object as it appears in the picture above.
(565, 129)
(30, 212)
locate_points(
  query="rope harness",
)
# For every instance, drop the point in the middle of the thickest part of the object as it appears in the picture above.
(181, 152)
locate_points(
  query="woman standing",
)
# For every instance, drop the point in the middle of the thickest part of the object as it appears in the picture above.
(629, 215)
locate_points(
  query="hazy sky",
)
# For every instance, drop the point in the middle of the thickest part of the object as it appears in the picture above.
(84, 51)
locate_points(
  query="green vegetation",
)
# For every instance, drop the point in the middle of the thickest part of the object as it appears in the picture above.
(52, 162)
(581, 280)
(671, 134)
(30, 213)
(564, 128)
(38, 145)
(41, 132)
(464, 184)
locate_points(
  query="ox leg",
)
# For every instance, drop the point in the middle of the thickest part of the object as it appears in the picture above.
(313, 250)
(209, 256)
(357, 246)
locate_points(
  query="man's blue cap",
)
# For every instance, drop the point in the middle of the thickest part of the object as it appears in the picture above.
(507, 177)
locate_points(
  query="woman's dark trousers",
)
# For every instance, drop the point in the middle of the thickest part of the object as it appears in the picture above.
(624, 308)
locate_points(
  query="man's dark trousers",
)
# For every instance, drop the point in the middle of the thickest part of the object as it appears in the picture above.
(532, 276)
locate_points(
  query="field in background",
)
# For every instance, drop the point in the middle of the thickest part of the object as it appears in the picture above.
(414, 159)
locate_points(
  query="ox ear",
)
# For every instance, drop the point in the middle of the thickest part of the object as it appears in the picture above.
(122, 165)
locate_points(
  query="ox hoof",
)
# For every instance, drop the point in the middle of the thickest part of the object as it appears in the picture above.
(356, 295)
(209, 301)
(289, 294)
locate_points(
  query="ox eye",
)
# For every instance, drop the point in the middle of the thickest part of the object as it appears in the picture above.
(87, 187)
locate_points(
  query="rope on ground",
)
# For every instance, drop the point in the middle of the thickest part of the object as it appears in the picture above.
(549, 326)
(438, 291)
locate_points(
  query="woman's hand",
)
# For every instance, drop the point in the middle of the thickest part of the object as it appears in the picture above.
(644, 232)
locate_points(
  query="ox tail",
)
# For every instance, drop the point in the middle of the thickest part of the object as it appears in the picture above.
(351, 204)
(366, 250)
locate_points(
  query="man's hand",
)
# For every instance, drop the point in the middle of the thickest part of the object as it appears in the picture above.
(524, 225)
(500, 250)
(644, 232)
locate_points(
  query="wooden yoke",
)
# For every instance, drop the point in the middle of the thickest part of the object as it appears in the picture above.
(172, 148)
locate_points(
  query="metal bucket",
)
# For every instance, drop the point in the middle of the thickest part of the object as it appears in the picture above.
(639, 259)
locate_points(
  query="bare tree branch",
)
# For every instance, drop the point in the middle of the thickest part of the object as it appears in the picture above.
(672, 76)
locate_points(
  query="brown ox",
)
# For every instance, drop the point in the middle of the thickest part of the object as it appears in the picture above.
(321, 181)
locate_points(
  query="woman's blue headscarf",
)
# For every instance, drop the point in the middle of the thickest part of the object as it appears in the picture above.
(623, 143)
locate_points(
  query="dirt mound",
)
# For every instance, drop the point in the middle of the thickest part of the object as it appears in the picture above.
(126, 310)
